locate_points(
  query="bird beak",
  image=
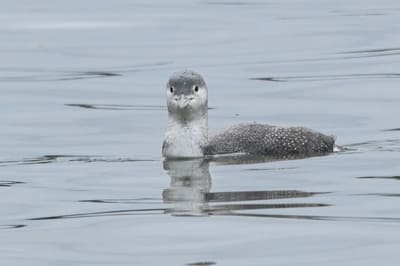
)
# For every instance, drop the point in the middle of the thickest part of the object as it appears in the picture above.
(182, 101)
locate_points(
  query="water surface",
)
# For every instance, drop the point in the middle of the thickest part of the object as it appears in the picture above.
(82, 180)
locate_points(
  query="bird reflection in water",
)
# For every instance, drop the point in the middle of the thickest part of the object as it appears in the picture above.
(190, 193)
(190, 183)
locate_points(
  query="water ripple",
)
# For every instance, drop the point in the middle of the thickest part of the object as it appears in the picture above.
(388, 145)
(372, 51)
(210, 210)
(5, 183)
(320, 218)
(227, 210)
(58, 76)
(103, 213)
(381, 194)
(137, 107)
(11, 226)
(392, 129)
(233, 3)
(71, 158)
(125, 201)
(201, 263)
(312, 78)
(394, 177)
(38, 74)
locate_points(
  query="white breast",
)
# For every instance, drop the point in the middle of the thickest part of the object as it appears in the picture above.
(184, 140)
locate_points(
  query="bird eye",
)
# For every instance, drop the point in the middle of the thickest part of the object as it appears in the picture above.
(196, 89)
(171, 89)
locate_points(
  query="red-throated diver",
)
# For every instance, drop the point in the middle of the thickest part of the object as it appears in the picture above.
(187, 130)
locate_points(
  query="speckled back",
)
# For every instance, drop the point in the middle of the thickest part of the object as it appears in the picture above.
(270, 140)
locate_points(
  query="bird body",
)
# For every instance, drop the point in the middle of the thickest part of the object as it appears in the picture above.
(187, 131)
(269, 140)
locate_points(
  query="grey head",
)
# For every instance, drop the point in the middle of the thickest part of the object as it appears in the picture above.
(187, 95)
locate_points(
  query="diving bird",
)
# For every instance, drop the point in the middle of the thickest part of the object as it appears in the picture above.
(187, 131)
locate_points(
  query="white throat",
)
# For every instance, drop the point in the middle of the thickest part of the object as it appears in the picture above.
(185, 138)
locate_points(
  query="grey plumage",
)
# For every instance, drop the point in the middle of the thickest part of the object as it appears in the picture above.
(184, 81)
(269, 140)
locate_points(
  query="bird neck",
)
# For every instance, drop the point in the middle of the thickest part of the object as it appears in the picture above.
(185, 138)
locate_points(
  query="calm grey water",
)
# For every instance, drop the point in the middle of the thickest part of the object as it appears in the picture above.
(82, 180)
